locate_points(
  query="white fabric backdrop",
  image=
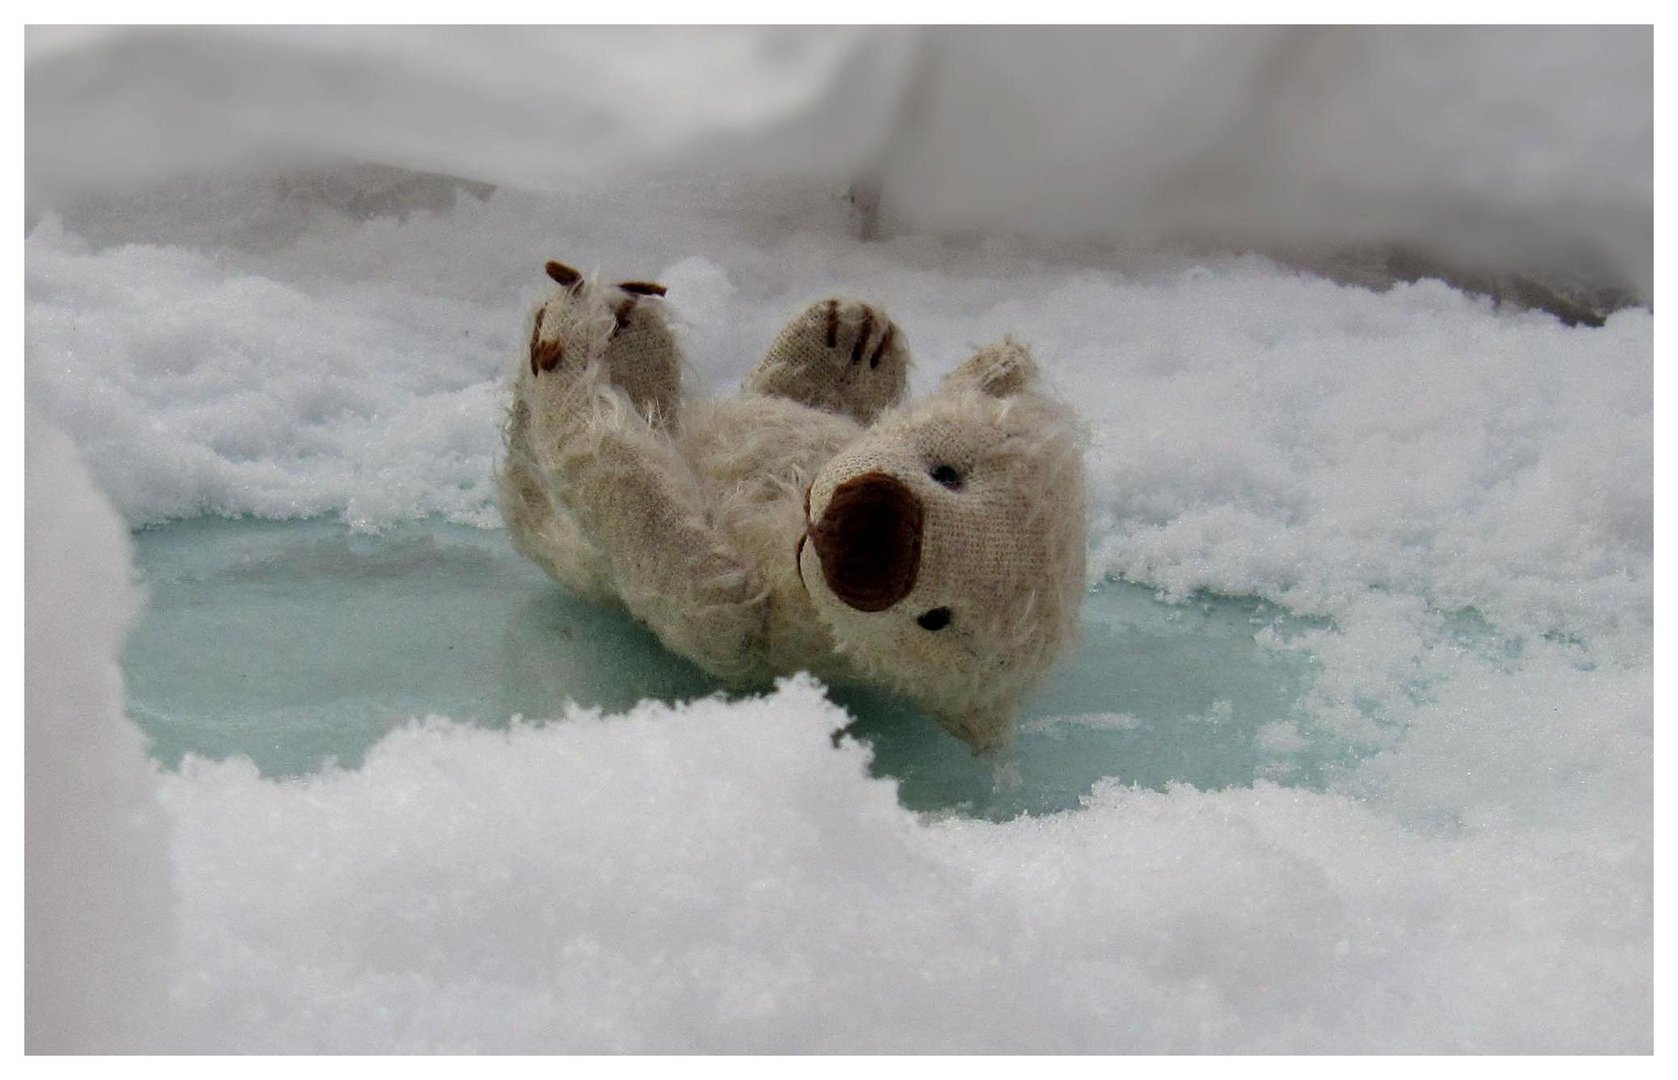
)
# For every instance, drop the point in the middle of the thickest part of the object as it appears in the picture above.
(1516, 148)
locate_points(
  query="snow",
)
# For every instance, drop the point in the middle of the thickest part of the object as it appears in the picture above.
(97, 890)
(1454, 498)
(721, 878)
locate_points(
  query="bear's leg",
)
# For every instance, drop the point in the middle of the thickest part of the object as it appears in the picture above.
(630, 493)
(541, 526)
(642, 360)
(841, 356)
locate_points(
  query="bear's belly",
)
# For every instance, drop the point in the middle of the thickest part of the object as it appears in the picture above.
(755, 457)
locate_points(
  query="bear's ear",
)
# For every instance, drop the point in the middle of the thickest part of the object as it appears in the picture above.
(1000, 370)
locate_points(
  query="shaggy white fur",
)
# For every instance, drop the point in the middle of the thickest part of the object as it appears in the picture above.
(949, 569)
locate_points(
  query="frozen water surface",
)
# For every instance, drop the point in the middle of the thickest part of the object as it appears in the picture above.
(302, 643)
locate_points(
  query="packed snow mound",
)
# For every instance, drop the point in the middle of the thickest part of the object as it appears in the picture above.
(721, 878)
(97, 891)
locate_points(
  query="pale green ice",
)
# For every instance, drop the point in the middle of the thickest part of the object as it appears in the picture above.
(298, 643)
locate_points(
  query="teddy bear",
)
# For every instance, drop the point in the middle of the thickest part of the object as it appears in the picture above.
(817, 521)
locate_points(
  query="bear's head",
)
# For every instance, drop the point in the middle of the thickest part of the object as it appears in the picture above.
(945, 548)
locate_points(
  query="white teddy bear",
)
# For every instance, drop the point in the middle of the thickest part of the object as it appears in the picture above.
(815, 522)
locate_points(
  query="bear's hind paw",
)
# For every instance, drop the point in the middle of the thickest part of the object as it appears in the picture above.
(843, 356)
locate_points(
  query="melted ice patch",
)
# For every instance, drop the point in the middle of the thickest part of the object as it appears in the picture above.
(301, 643)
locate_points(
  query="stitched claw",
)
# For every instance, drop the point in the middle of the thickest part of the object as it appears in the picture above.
(643, 288)
(544, 355)
(621, 314)
(832, 324)
(563, 274)
(885, 343)
(862, 335)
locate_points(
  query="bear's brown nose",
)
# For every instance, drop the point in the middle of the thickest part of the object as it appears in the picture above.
(869, 541)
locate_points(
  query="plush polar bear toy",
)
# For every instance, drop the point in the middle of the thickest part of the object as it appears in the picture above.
(815, 522)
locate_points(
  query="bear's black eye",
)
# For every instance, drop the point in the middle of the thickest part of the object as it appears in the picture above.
(936, 619)
(946, 475)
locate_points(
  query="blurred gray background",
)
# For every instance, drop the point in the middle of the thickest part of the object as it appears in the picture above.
(1511, 160)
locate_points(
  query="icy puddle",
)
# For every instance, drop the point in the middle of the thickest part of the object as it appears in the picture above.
(298, 643)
